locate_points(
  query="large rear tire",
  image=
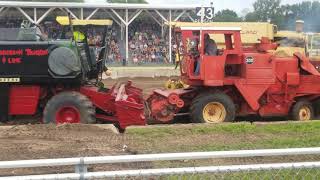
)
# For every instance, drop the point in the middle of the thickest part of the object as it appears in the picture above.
(213, 107)
(69, 107)
(302, 111)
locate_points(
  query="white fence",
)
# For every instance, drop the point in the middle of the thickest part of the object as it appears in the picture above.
(81, 164)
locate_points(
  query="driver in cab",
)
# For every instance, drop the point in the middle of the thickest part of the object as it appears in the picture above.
(210, 46)
(210, 49)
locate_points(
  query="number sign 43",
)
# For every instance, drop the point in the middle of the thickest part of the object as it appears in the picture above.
(205, 12)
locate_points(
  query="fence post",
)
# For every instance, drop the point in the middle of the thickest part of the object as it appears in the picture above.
(81, 168)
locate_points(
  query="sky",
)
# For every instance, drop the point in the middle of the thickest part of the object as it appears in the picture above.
(236, 5)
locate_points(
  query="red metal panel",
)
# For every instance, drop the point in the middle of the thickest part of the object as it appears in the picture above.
(260, 73)
(23, 100)
(309, 84)
(274, 109)
(212, 70)
(293, 79)
(102, 100)
(260, 70)
(252, 93)
(130, 113)
(121, 104)
(285, 65)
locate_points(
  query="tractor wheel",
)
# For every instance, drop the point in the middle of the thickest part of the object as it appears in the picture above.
(302, 111)
(212, 108)
(69, 107)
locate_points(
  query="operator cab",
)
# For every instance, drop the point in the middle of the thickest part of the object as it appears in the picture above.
(203, 55)
(93, 61)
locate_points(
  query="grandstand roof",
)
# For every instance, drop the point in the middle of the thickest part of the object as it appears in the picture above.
(24, 4)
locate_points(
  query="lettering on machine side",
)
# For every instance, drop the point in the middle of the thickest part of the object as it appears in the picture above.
(9, 80)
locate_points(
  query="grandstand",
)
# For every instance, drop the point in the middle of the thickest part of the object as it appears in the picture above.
(134, 39)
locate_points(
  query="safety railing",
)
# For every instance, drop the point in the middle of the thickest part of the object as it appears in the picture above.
(81, 165)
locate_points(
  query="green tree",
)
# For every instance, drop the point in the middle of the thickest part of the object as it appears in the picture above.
(267, 9)
(127, 1)
(227, 15)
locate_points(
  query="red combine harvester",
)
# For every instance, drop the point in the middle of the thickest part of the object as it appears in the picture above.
(237, 81)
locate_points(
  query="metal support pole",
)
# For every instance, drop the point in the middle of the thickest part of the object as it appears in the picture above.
(121, 27)
(92, 13)
(35, 15)
(161, 15)
(179, 16)
(71, 13)
(170, 38)
(121, 19)
(135, 16)
(81, 13)
(63, 10)
(127, 35)
(81, 169)
(189, 16)
(162, 30)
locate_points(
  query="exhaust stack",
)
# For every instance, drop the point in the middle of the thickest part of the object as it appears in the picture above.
(299, 26)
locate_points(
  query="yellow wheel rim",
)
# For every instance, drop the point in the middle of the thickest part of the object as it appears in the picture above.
(304, 113)
(214, 112)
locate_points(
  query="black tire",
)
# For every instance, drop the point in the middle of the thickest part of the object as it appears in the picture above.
(74, 99)
(305, 106)
(201, 101)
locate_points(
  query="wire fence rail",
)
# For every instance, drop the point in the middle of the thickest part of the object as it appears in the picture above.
(291, 170)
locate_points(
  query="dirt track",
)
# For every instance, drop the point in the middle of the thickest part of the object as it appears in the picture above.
(48, 141)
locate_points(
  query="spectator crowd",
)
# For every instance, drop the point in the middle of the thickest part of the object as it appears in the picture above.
(146, 43)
